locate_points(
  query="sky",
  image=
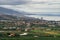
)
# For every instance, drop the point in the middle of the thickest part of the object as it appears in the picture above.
(49, 7)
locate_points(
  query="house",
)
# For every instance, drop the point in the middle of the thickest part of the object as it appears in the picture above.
(24, 34)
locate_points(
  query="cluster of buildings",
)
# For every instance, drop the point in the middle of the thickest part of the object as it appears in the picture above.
(28, 23)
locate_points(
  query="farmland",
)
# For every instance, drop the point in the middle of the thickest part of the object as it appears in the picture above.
(32, 35)
(30, 38)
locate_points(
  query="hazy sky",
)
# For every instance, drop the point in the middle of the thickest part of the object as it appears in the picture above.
(33, 6)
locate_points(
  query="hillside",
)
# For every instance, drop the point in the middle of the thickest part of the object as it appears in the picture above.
(7, 17)
(10, 12)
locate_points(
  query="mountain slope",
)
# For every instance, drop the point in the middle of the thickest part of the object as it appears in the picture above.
(10, 12)
(7, 17)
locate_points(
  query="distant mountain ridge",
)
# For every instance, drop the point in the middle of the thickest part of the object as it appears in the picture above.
(10, 12)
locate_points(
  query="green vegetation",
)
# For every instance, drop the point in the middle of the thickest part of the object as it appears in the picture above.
(41, 35)
(11, 30)
(30, 38)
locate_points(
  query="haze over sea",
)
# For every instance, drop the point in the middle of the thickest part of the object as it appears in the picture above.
(53, 18)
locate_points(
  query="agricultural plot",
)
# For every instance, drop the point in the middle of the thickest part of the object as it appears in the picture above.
(31, 38)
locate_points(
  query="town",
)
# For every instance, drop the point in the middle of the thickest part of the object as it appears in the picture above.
(29, 27)
(24, 23)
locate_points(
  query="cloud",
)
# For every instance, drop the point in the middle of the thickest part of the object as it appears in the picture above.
(33, 6)
(35, 9)
(17, 2)
(13, 2)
